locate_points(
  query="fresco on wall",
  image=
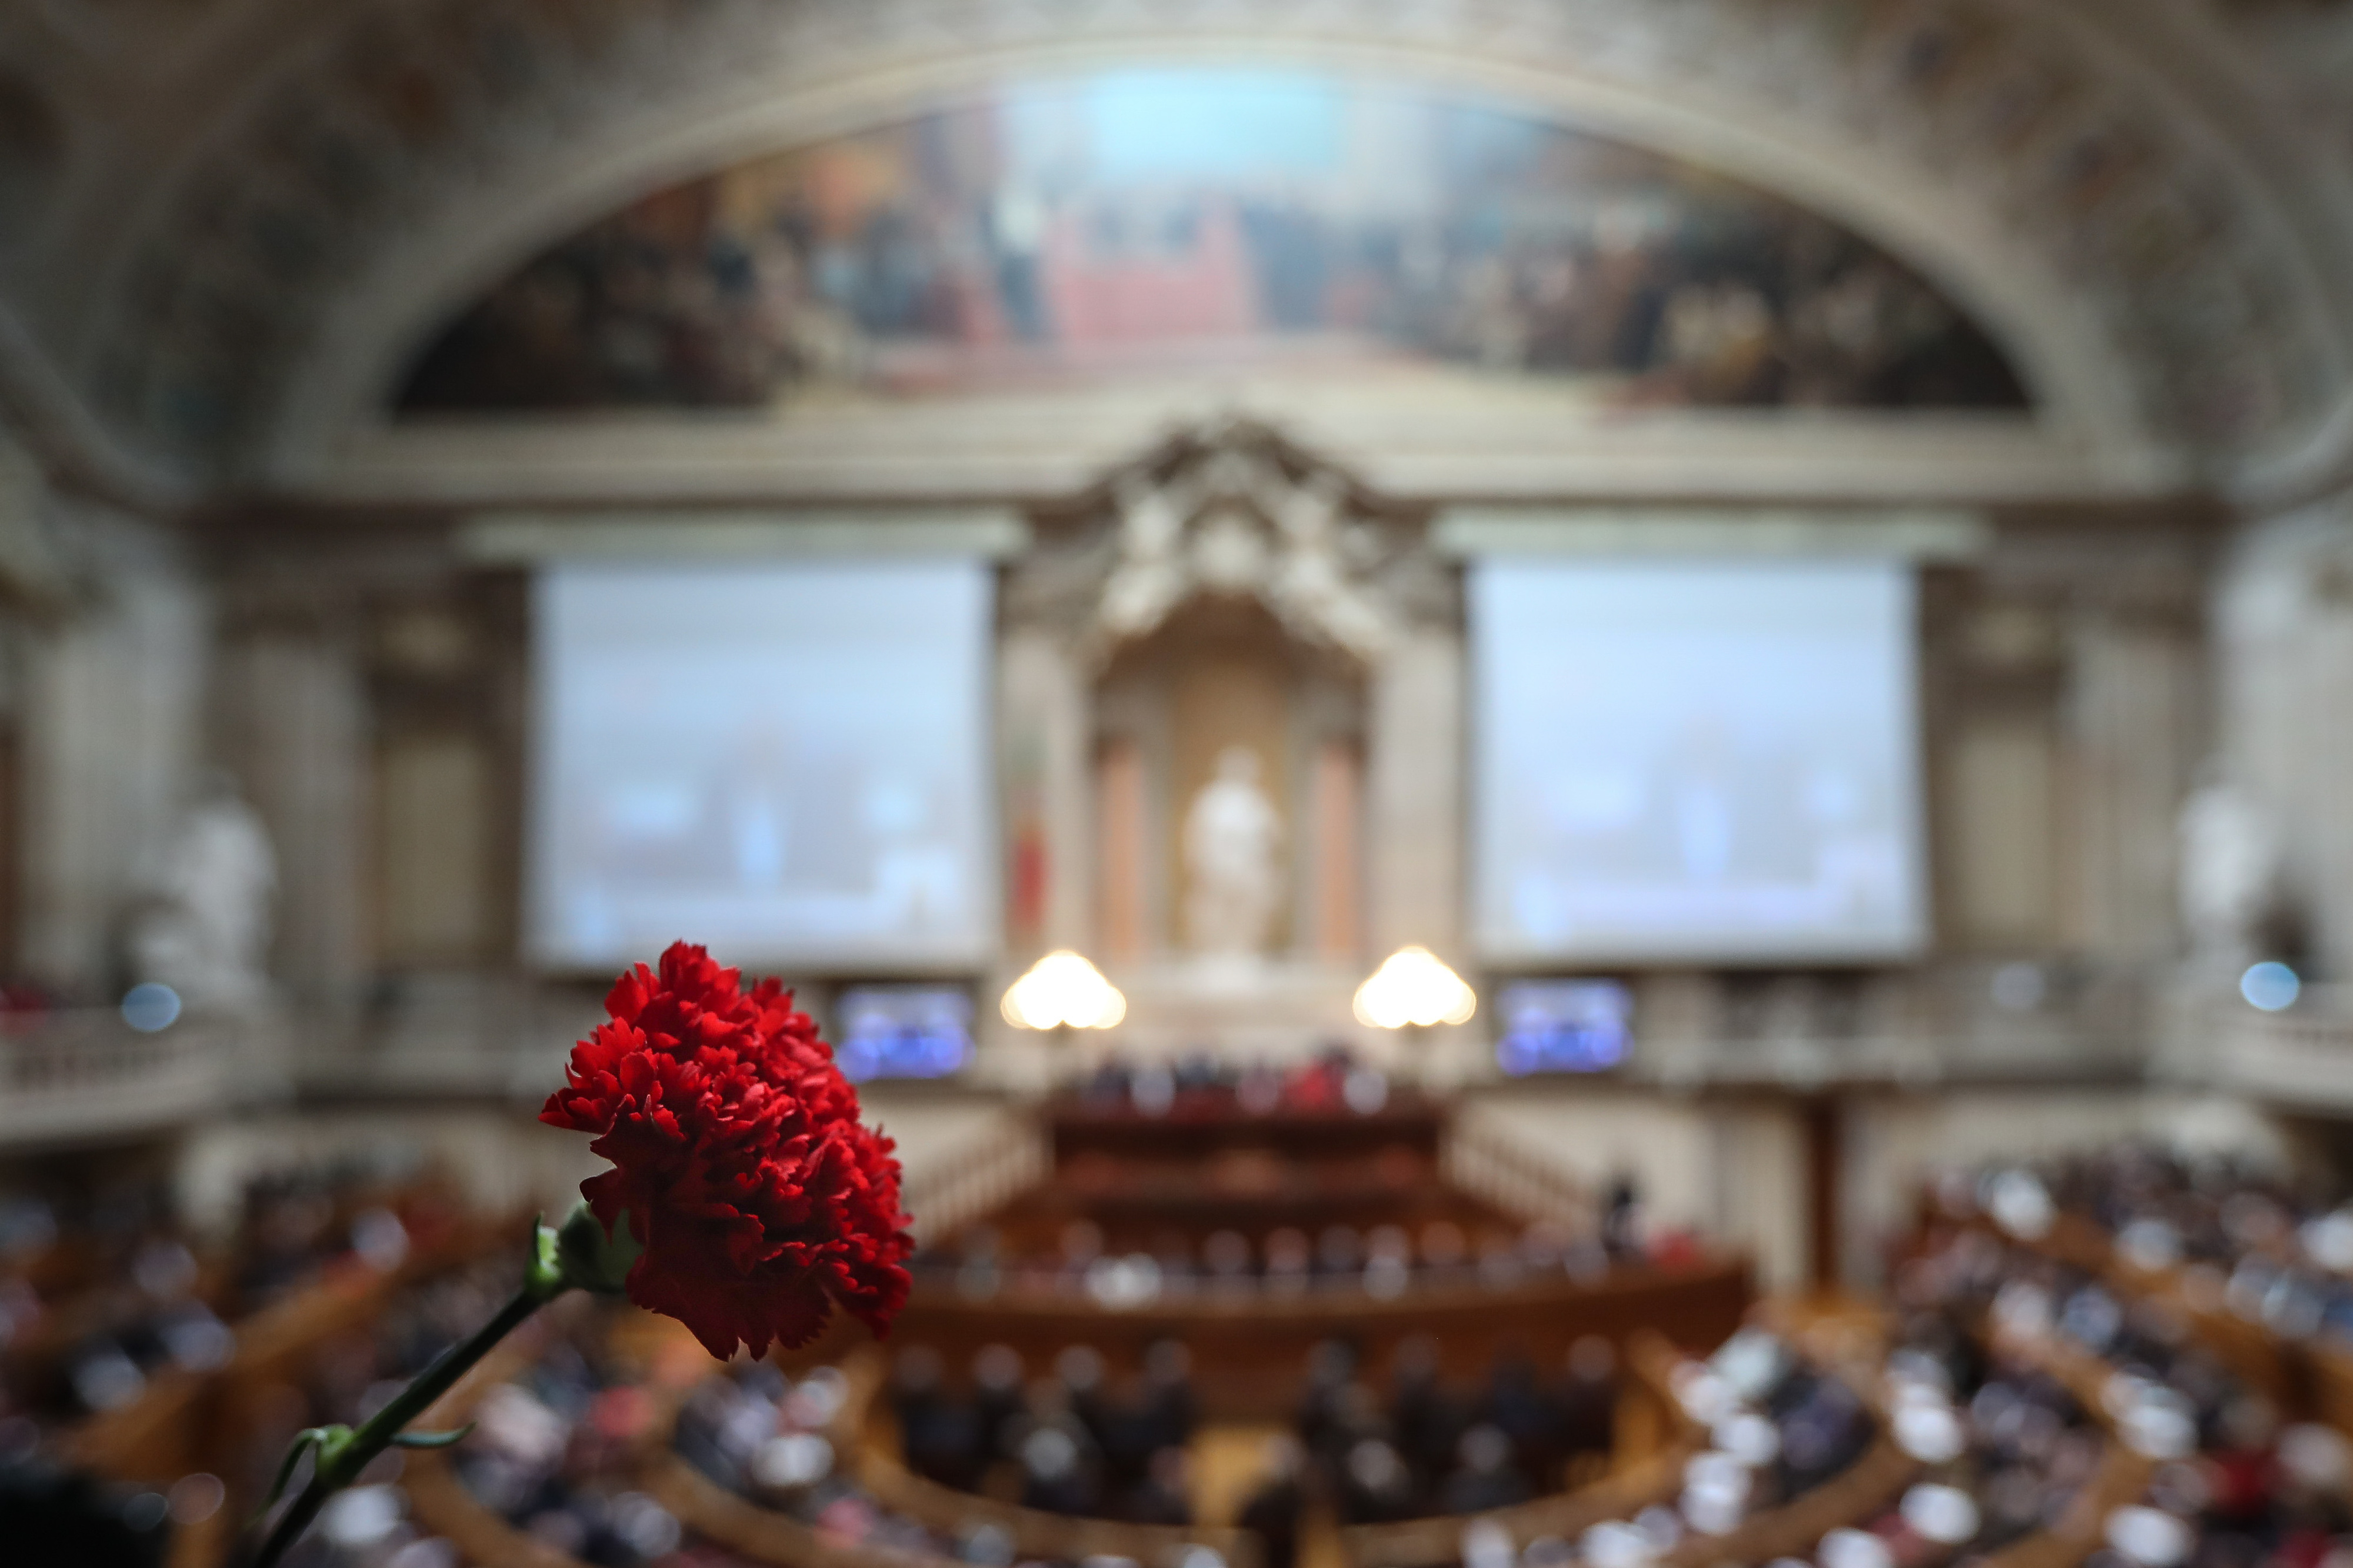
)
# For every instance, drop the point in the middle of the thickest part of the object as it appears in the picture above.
(1169, 222)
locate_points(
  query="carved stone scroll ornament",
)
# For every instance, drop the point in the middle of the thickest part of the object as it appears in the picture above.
(1231, 518)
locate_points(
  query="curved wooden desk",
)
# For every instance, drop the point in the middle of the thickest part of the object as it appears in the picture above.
(1249, 1352)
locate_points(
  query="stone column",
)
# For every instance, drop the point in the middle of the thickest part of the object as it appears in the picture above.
(293, 726)
(1042, 769)
(1414, 806)
(2134, 712)
(2283, 678)
(112, 694)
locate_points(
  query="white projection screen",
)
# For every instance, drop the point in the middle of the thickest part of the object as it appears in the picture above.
(1695, 762)
(786, 762)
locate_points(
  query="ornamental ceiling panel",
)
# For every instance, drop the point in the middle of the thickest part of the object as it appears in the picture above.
(233, 229)
(1206, 222)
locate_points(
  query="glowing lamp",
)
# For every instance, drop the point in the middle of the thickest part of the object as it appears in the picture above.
(1062, 989)
(1413, 985)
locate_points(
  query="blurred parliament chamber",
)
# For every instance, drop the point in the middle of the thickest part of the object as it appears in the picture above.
(1574, 771)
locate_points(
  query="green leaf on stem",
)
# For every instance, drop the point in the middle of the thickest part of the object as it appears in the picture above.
(594, 1259)
(433, 1439)
(305, 1441)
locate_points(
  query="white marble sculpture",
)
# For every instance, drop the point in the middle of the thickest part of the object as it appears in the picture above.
(206, 932)
(1233, 860)
(2230, 874)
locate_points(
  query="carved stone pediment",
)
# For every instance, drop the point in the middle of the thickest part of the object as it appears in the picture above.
(1232, 510)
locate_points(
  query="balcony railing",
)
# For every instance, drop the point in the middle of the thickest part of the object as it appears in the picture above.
(1485, 1158)
(84, 1073)
(983, 1169)
(2303, 1054)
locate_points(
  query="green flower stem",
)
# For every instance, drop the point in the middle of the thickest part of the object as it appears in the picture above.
(578, 1256)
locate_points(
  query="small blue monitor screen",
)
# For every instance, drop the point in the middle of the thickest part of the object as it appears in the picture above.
(1563, 1026)
(902, 1031)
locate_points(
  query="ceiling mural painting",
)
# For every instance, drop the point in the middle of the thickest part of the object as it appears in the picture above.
(1208, 223)
(234, 286)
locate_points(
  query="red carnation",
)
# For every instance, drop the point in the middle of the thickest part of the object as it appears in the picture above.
(738, 1157)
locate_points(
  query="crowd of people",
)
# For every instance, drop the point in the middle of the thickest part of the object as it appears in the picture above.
(95, 1302)
(556, 1447)
(106, 1292)
(1075, 1441)
(1997, 1449)
(770, 1437)
(1785, 1424)
(2239, 1233)
(346, 1379)
(2001, 1433)
(2233, 1482)
(1990, 1329)
(1426, 1445)
(1377, 1445)
(1334, 1081)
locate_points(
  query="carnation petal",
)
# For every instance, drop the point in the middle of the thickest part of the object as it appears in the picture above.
(737, 1150)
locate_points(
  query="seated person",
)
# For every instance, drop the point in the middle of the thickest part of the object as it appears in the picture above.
(1164, 1495)
(1271, 1511)
(1586, 1401)
(1486, 1478)
(1375, 1487)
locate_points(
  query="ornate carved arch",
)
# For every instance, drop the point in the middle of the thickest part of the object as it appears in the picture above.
(2128, 227)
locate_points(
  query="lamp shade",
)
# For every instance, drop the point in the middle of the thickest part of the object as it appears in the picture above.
(1413, 985)
(1063, 990)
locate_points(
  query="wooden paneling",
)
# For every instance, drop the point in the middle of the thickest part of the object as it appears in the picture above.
(433, 850)
(2002, 830)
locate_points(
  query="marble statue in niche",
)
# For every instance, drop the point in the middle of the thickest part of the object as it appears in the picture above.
(2230, 874)
(205, 931)
(1233, 860)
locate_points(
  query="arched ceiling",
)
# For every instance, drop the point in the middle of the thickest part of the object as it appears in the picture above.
(225, 224)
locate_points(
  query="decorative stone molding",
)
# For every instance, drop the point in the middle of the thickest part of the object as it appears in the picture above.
(1229, 519)
(1230, 509)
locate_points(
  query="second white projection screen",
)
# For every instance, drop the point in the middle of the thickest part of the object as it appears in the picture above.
(1695, 762)
(786, 762)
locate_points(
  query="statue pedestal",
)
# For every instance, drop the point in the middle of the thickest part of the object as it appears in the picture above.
(1238, 1008)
